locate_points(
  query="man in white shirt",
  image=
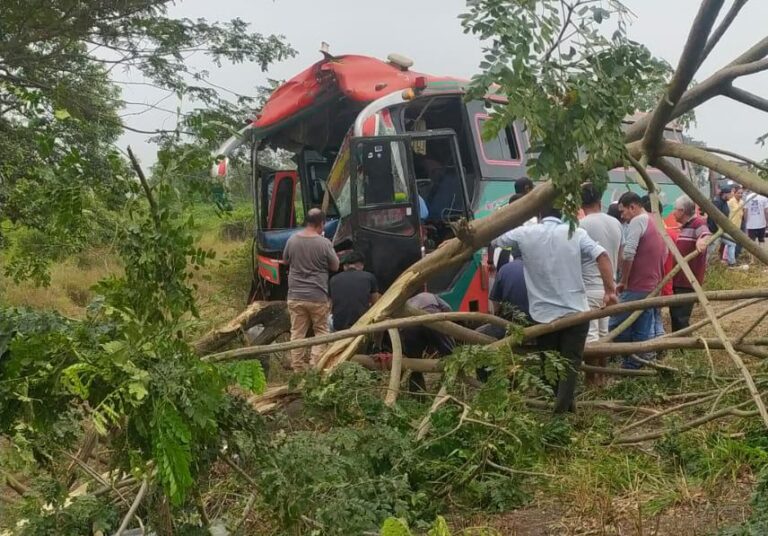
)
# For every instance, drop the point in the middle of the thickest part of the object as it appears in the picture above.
(606, 231)
(755, 217)
(552, 267)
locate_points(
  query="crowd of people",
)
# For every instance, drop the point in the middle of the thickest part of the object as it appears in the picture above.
(543, 271)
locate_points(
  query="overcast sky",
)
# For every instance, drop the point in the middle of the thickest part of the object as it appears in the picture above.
(429, 32)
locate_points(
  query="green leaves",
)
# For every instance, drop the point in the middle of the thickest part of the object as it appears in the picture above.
(395, 527)
(570, 85)
(247, 374)
(172, 451)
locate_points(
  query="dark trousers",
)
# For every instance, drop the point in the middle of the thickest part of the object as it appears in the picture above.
(569, 343)
(681, 314)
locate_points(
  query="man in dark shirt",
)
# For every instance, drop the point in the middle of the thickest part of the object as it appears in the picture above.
(353, 291)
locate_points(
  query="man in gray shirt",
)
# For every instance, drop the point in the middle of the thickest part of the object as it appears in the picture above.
(309, 256)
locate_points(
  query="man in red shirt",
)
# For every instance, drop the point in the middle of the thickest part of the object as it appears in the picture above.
(691, 237)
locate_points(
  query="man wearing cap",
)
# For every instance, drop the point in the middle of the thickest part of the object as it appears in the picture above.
(353, 291)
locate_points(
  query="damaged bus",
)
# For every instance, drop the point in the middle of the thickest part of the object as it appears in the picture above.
(373, 143)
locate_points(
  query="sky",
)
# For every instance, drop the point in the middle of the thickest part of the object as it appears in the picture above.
(428, 31)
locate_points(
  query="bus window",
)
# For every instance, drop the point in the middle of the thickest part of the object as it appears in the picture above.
(501, 149)
(381, 175)
(383, 194)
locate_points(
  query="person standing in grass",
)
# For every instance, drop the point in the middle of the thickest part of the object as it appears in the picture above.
(606, 231)
(552, 267)
(642, 268)
(310, 257)
(691, 237)
(736, 216)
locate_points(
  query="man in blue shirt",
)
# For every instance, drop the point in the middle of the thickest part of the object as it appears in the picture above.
(509, 297)
(552, 266)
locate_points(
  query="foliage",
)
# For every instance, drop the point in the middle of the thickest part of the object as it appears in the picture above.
(399, 527)
(60, 175)
(356, 461)
(570, 84)
(83, 515)
(128, 363)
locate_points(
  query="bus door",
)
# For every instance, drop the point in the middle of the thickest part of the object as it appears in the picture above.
(388, 214)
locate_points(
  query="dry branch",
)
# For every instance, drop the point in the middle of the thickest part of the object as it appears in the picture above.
(397, 368)
(260, 312)
(659, 301)
(134, 507)
(725, 412)
(598, 349)
(721, 314)
(727, 345)
(756, 322)
(346, 335)
(441, 398)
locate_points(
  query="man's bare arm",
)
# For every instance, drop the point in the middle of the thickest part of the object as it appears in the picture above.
(606, 273)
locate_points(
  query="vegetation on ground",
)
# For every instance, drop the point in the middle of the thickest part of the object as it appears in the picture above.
(109, 417)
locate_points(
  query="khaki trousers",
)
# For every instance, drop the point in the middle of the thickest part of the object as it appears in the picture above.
(303, 315)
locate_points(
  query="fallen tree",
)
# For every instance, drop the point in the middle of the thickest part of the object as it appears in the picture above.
(644, 144)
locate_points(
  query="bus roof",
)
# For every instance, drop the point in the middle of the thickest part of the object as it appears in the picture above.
(361, 79)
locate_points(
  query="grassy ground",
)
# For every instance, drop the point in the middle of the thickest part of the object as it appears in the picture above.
(690, 484)
(222, 286)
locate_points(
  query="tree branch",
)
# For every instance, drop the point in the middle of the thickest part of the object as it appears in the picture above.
(737, 156)
(672, 246)
(397, 368)
(705, 322)
(686, 68)
(145, 186)
(679, 178)
(743, 176)
(133, 508)
(718, 33)
(346, 335)
(700, 93)
(745, 97)
(648, 303)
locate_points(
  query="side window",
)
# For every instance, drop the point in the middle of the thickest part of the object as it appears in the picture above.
(501, 149)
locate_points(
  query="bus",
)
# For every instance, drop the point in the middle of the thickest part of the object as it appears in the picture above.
(374, 142)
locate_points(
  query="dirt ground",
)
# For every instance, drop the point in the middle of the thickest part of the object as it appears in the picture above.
(697, 516)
